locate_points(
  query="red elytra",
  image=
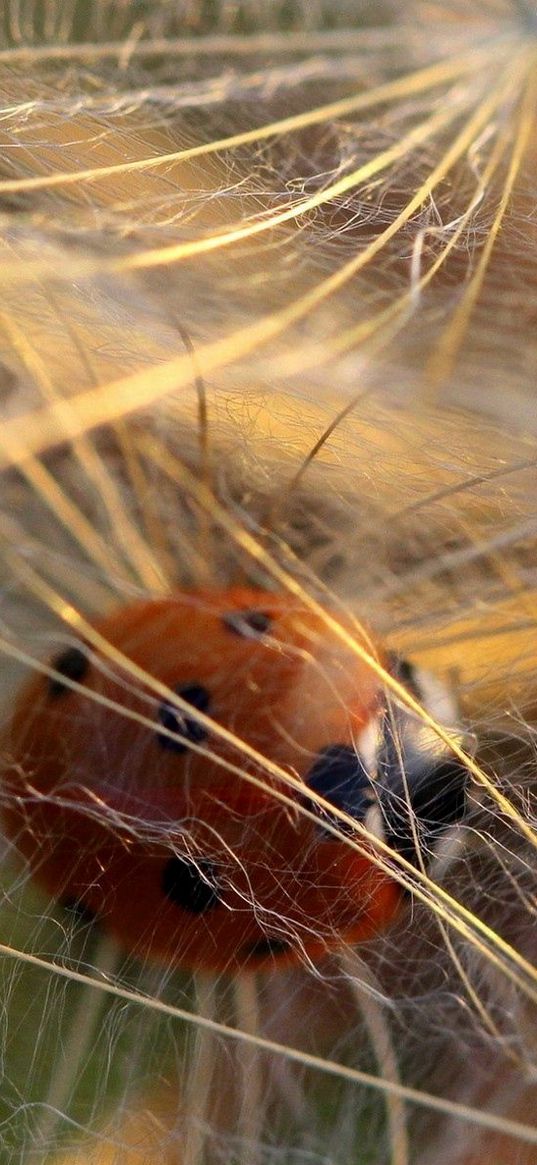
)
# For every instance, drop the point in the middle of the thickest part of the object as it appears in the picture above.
(180, 857)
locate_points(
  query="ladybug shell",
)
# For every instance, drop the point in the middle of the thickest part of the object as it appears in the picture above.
(180, 857)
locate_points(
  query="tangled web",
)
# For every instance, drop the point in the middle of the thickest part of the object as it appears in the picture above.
(269, 293)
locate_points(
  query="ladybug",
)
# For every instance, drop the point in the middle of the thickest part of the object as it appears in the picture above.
(155, 811)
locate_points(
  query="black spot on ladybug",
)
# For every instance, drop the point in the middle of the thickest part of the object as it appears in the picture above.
(339, 776)
(266, 948)
(437, 797)
(185, 730)
(83, 913)
(190, 885)
(73, 664)
(249, 624)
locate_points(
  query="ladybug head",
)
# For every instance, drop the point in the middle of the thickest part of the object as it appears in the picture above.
(399, 779)
(421, 785)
